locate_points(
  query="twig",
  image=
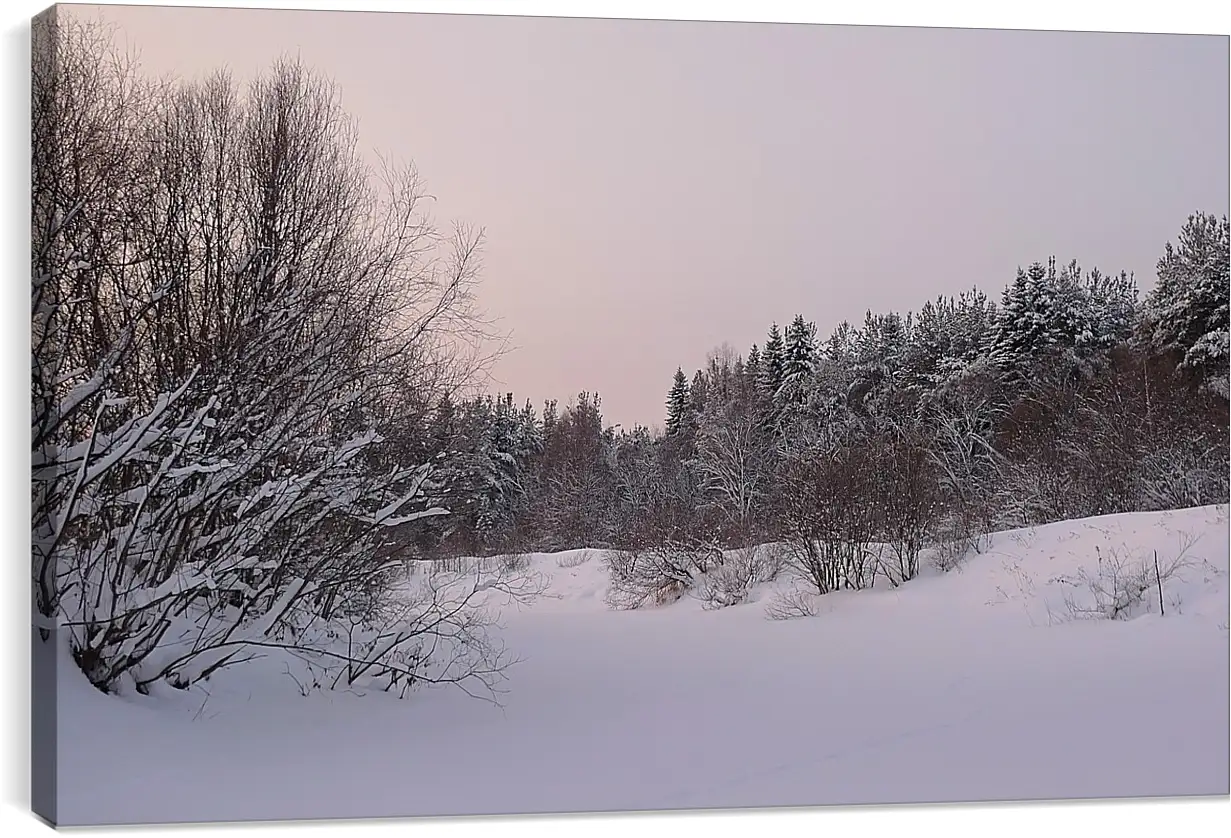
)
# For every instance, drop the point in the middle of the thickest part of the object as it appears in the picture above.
(1158, 577)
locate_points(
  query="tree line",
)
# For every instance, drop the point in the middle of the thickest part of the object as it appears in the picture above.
(1070, 395)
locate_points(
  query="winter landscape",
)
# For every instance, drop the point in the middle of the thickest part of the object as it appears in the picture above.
(297, 557)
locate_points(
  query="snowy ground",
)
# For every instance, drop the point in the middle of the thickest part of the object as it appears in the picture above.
(963, 687)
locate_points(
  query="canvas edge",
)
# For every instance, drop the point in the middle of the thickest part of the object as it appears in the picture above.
(44, 686)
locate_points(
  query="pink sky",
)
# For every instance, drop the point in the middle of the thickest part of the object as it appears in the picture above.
(651, 189)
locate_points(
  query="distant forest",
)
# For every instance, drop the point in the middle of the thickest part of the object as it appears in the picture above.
(1068, 396)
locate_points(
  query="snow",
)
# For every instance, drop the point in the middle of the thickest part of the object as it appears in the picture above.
(967, 686)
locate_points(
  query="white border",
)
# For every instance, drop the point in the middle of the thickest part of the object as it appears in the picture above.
(1190, 818)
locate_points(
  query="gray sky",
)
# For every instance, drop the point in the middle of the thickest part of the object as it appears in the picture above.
(651, 189)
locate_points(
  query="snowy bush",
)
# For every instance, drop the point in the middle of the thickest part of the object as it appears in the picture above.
(1122, 588)
(828, 519)
(434, 627)
(515, 561)
(660, 574)
(768, 562)
(1187, 472)
(729, 583)
(907, 499)
(574, 558)
(953, 540)
(791, 604)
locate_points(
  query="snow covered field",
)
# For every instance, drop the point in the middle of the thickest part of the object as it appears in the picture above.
(969, 686)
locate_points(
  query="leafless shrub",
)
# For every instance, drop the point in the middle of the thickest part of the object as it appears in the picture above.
(906, 495)
(949, 554)
(731, 582)
(670, 592)
(831, 563)
(1121, 588)
(953, 539)
(633, 579)
(660, 574)
(768, 562)
(1188, 472)
(515, 561)
(436, 628)
(791, 604)
(574, 558)
(1031, 493)
(827, 516)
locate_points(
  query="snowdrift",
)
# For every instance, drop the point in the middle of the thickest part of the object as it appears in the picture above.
(1018, 675)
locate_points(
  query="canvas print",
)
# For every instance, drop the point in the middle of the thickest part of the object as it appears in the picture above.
(440, 415)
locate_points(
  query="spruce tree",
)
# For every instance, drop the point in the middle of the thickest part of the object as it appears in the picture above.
(1113, 303)
(699, 393)
(750, 384)
(679, 404)
(799, 357)
(1028, 324)
(773, 361)
(798, 365)
(931, 340)
(840, 345)
(752, 367)
(974, 319)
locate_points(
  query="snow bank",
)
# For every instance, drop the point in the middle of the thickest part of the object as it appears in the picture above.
(972, 685)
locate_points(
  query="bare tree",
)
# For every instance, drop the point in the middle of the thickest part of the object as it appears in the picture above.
(87, 177)
(967, 466)
(732, 458)
(237, 306)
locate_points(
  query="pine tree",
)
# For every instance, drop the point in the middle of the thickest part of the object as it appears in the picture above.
(773, 361)
(1075, 322)
(699, 393)
(750, 382)
(894, 335)
(752, 367)
(800, 354)
(870, 347)
(1111, 309)
(1034, 318)
(840, 345)
(679, 404)
(500, 460)
(551, 418)
(799, 364)
(931, 340)
(974, 318)
(444, 424)
(880, 350)
(1187, 312)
